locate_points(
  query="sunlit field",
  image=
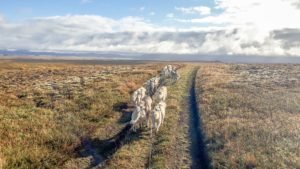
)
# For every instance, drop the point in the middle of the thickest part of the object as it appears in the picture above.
(65, 114)
(251, 114)
(46, 109)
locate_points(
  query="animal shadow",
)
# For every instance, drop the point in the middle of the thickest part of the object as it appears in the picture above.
(101, 150)
(125, 109)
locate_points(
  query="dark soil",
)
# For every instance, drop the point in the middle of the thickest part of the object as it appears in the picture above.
(200, 159)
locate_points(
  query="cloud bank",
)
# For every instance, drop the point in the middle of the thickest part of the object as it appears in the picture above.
(253, 27)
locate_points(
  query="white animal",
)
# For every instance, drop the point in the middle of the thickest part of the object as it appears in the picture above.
(141, 94)
(138, 95)
(169, 71)
(162, 106)
(161, 94)
(154, 84)
(134, 97)
(165, 71)
(158, 115)
(170, 68)
(148, 108)
(156, 119)
(148, 87)
(138, 115)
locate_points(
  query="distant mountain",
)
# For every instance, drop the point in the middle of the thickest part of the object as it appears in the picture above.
(15, 54)
(37, 53)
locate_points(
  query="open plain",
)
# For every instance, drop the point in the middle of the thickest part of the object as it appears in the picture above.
(72, 114)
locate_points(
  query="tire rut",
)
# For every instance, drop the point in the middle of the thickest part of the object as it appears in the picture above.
(200, 158)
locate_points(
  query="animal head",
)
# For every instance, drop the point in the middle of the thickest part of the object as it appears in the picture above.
(135, 93)
(142, 89)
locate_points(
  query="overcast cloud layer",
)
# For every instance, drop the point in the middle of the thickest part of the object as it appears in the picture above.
(252, 27)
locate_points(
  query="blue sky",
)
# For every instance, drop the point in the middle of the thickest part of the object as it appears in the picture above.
(152, 10)
(245, 27)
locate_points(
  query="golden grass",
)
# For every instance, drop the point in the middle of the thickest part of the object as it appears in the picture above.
(132, 155)
(251, 114)
(46, 108)
(2, 161)
(170, 146)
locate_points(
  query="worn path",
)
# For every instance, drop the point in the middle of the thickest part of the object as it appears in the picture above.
(199, 154)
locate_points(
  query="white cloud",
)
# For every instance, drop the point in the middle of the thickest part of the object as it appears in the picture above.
(202, 10)
(297, 4)
(133, 34)
(242, 41)
(256, 23)
(263, 14)
(75, 32)
(170, 15)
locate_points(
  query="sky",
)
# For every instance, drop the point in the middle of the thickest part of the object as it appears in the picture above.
(226, 27)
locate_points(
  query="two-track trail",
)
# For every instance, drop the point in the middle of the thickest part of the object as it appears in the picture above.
(179, 144)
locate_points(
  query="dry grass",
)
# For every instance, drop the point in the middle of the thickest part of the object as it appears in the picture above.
(171, 144)
(47, 108)
(251, 114)
(2, 161)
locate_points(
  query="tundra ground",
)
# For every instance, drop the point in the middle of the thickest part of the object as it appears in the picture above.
(64, 115)
(251, 114)
(47, 109)
(50, 109)
(170, 147)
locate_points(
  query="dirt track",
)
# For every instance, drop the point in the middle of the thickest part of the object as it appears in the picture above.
(199, 154)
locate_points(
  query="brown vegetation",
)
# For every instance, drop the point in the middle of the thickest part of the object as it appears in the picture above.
(46, 109)
(170, 146)
(251, 114)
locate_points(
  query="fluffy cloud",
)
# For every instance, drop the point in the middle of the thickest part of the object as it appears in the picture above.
(263, 27)
(92, 33)
(75, 32)
(297, 4)
(262, 14)
(202, 10)
(290, 38)
(132, 34)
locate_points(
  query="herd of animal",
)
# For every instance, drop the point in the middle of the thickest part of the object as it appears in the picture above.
(150, 100)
